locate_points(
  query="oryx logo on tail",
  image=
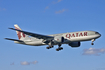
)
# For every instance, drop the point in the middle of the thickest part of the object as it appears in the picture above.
(21, 35)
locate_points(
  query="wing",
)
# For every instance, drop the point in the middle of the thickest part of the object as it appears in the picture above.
(13, 39)
(39, 36)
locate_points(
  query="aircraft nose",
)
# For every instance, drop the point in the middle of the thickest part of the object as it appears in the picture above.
(99, 35)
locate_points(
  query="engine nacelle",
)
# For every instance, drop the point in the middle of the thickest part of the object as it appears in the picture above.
(58, 39)
(74, 44)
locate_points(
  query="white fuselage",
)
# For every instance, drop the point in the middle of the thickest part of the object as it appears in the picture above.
(68, 38)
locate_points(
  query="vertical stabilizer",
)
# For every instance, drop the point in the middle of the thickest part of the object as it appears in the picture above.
(21, 35)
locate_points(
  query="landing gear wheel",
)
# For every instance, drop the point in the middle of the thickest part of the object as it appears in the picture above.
(61, 48)
(92, 43)
(57, 49)
(47, 47)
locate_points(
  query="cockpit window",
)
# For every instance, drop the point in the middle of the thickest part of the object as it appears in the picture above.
(96, 33)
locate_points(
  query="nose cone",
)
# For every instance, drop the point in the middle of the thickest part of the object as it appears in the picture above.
(99, 35)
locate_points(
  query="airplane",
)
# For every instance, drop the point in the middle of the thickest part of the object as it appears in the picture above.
(73, 39)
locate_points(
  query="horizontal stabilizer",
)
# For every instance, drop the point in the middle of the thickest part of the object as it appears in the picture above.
(13, 39)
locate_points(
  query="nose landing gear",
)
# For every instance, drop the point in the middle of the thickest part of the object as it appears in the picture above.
(92, 41)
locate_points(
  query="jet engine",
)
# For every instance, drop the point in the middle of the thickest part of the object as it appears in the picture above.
(58, 39)
(74, 44)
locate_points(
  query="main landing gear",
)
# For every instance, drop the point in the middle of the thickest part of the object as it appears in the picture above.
(92, 41)
(59, 48)
(49, 47)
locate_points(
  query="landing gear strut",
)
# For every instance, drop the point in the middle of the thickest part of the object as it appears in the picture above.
(50, 45)
(59, 48)
(92, 41)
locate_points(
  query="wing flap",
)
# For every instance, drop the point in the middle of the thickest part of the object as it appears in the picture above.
(39, 36)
